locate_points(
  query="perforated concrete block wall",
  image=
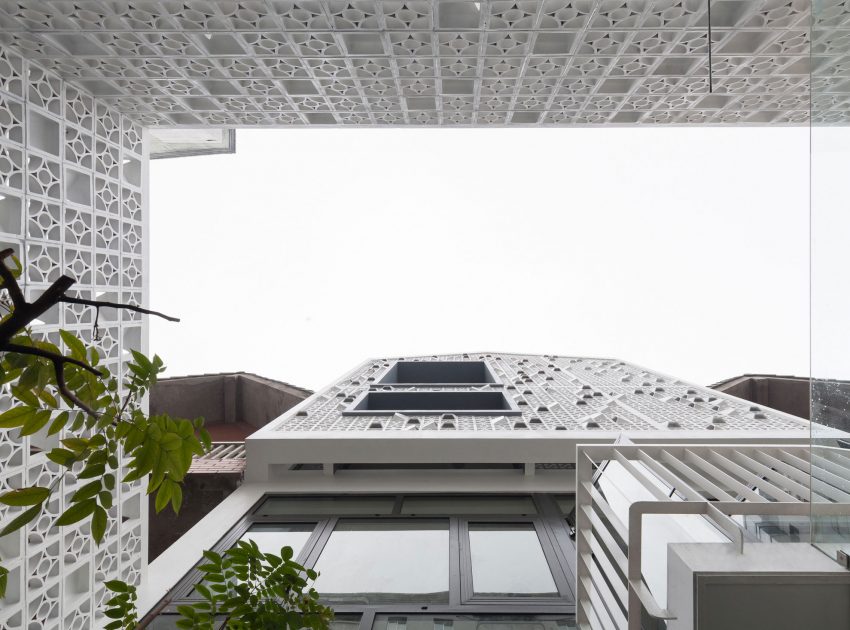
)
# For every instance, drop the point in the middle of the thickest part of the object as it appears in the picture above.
(71, 201)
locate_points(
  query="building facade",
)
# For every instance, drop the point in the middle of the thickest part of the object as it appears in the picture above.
(72, 200)
(233, 406)
(81, 84)
(448, 484)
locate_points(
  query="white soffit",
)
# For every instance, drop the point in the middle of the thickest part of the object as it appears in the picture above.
(424, 62)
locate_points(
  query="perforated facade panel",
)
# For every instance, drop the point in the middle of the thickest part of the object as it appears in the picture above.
(71, 201)
(428, 62)
(552, 393)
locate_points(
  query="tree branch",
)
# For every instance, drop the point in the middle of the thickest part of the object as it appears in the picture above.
(9, 282)
(126, 307)
(25, 312)
(59, 362)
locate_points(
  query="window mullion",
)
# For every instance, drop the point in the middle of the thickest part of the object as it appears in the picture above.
(455, 571)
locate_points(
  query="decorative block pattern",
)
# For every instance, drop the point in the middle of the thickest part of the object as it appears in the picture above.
(67, 206)
(428, 62)
(553, 393)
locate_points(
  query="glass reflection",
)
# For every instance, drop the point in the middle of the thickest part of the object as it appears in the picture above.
(494, 504)
(327, 505)
(507, 560)
(271, 537)
(385, 561)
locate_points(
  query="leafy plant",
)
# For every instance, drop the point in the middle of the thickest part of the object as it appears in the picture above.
(121, 608)
(252, 590)
(106, 437)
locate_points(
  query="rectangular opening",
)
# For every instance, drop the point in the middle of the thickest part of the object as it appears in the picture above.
(467, 403)
(438, 373)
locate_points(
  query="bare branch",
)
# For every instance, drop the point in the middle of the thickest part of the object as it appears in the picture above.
(9, 281)
(46, 354)
(59, 362)
(126, 307)
(26, 312)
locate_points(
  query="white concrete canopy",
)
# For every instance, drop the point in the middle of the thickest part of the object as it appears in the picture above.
(424, 62)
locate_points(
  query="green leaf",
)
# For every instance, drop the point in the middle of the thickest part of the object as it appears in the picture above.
(4, 581)
(61, 456)
(116, 586)
(58, 423)
(163, 496)
(25, 496)
(105, 499)
(78, 350)
(77, 512)
(36, 423)
(21, 520)
(87, 491)
(98, 524)
(16, 417)
(176, 498)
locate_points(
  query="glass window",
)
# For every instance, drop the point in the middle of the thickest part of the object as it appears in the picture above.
(168, 621)
(468, 505)
(345, 621)
(387, 561)
(567, 505)
(271, 537)
(473, 622)
(508, 561)
(331, 506)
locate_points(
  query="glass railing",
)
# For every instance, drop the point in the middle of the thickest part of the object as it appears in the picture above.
(830, 267)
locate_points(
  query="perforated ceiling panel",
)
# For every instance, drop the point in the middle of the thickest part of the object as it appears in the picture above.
(423, 62)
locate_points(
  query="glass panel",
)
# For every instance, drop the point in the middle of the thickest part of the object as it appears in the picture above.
(389, 561)
(346, 621)
(621, 489)
(331, 506)
(474, 622)
(567, 505)
(829, 306)
(468, 505)
(271, 537)
(507, 560)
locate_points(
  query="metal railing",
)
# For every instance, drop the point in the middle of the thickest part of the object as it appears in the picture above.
(715, 482)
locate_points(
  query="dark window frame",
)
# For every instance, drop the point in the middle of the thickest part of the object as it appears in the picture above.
(551, 526)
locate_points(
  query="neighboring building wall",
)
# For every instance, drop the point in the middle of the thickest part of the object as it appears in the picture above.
(783, 393)
(72, 200)
(233, 406)
(226, 398)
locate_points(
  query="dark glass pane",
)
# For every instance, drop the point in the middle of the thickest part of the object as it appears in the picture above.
(474, 622)
(331, 506)
(345, 621)
(482, 504)
(567, 505)
(508, 561)
(270, 537)
(390, 561)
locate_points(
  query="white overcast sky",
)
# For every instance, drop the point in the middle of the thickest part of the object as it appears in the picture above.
(308, 251)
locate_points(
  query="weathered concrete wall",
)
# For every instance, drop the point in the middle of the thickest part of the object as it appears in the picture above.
(226, 401)
(225, 398)
(201, 493)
